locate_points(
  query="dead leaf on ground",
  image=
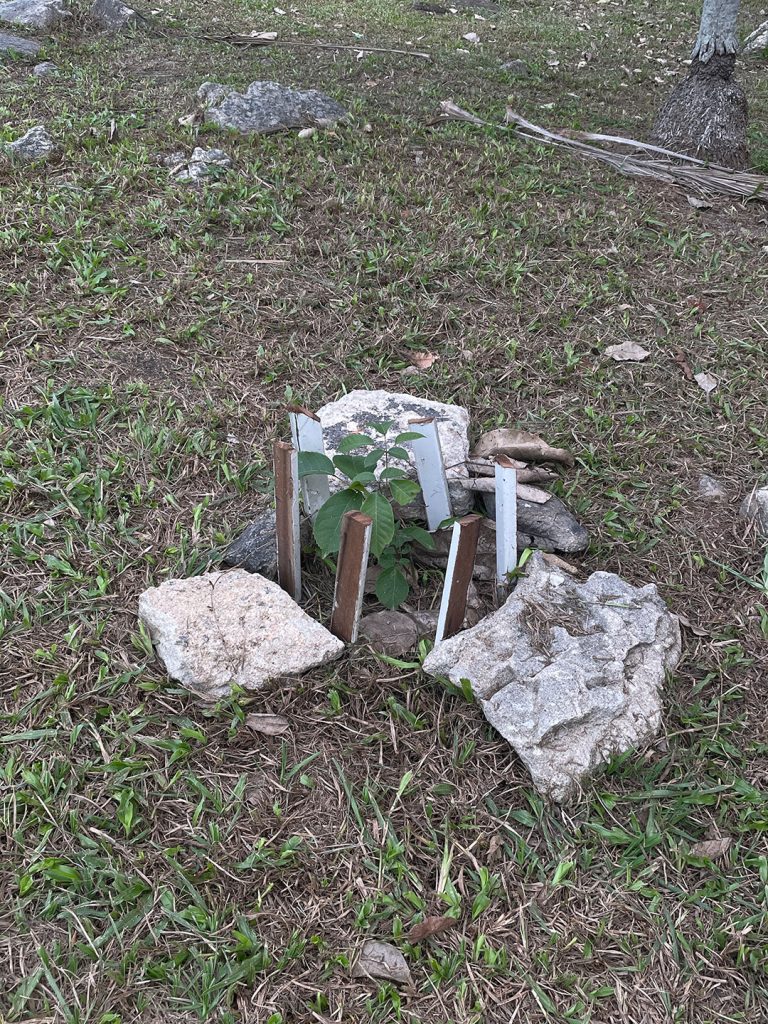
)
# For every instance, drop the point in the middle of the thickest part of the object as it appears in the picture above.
(698, 204)
(423, 360)
(627, 352)
(519, 444)
(683, 363)
(382, 960)
(268, 725)
(706, 382)
(712, 849)
(430, 926)
(686, 622)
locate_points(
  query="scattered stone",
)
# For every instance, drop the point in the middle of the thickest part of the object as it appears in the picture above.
(382, 960)
(45, 70)
(356, 411)
(255, 550)
(754, 509)
(552, 527)
(204, 163)
(36, 144)
(41, 14)
(112, 15)
(569, 673)
(517, 68)
(757, 41)
(268, 107)
(16, 45)
(710, 489)
(233, 627)
(472, 37)
(389, 632)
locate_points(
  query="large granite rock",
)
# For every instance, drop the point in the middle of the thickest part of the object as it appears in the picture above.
(356, 411)
(36, 144)
(233, 627)
(267, 107)
(41, 14)
(255, 550)
(16, 45)
(754, 509)
(112, 15)
(569, 673)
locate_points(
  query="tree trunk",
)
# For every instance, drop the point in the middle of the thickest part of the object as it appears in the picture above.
(706, 114)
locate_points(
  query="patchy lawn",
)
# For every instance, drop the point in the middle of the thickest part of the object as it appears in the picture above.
(161, 862)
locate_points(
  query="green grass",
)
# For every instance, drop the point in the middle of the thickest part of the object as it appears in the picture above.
(159, 861)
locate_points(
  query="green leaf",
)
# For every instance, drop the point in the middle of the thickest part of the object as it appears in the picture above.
(409, 435)
(393, 473)
(372, 458)
(351, 465)
(126, 811)
(417, 534)
(392, 587)
(381, 428)
(327, 526)
(315, 463)
(352, 441)
(378, 508)
(399, 453)
(364, 478)
(404, 491)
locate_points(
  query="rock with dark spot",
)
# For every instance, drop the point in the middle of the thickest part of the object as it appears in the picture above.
(754, 509)
(256, 548)
(112, 15)
(40, 14)
(389, 632)
(569, 673)
(15, 45)
(267, 107)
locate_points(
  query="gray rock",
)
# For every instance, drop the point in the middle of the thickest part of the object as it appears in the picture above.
(256, 548)
(517, 68)
(267, 107)
(355, 412)
(757, 41)
(710, 489)
(569, 673)
(754, 509)
(550, 526)
(389, 632)
(16, 45)
(43, 14)
(204, 163)
(233, 627)
(112, 15)
(425, 621)
(36, 144)
(45, 70)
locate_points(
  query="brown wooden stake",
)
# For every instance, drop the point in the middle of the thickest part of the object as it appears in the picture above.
(350, 575)
(287, 517)
(458, 576)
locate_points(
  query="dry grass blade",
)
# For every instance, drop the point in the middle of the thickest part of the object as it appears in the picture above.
(690, 174)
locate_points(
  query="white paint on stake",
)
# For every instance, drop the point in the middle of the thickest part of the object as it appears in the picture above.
(506, 520)
(431, 471)
(307, 434)
(445, 600)
(288, 533)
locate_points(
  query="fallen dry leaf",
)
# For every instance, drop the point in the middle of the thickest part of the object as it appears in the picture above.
(519, 444)
(706, 382)
(269, 725)
(682, 362)
(423, 360)
(712, 849)
(430, 926)
(696, 630)
(627, 352)
(382, 960)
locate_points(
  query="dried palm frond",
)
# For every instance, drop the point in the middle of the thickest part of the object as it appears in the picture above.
(665, 165)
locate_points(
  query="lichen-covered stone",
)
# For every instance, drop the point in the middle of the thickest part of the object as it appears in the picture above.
(40, 14)
(36, 144)
(267, 107)
(569, 673)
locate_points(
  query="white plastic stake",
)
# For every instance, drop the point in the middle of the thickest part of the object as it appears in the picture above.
(307, 434)
(431, 471)
(506, 520)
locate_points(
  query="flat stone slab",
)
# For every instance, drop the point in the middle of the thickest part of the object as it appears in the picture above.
(267, 107)
(41, 14)
(233, 627)
(356, 411)
(15, 44)
(569, 673)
